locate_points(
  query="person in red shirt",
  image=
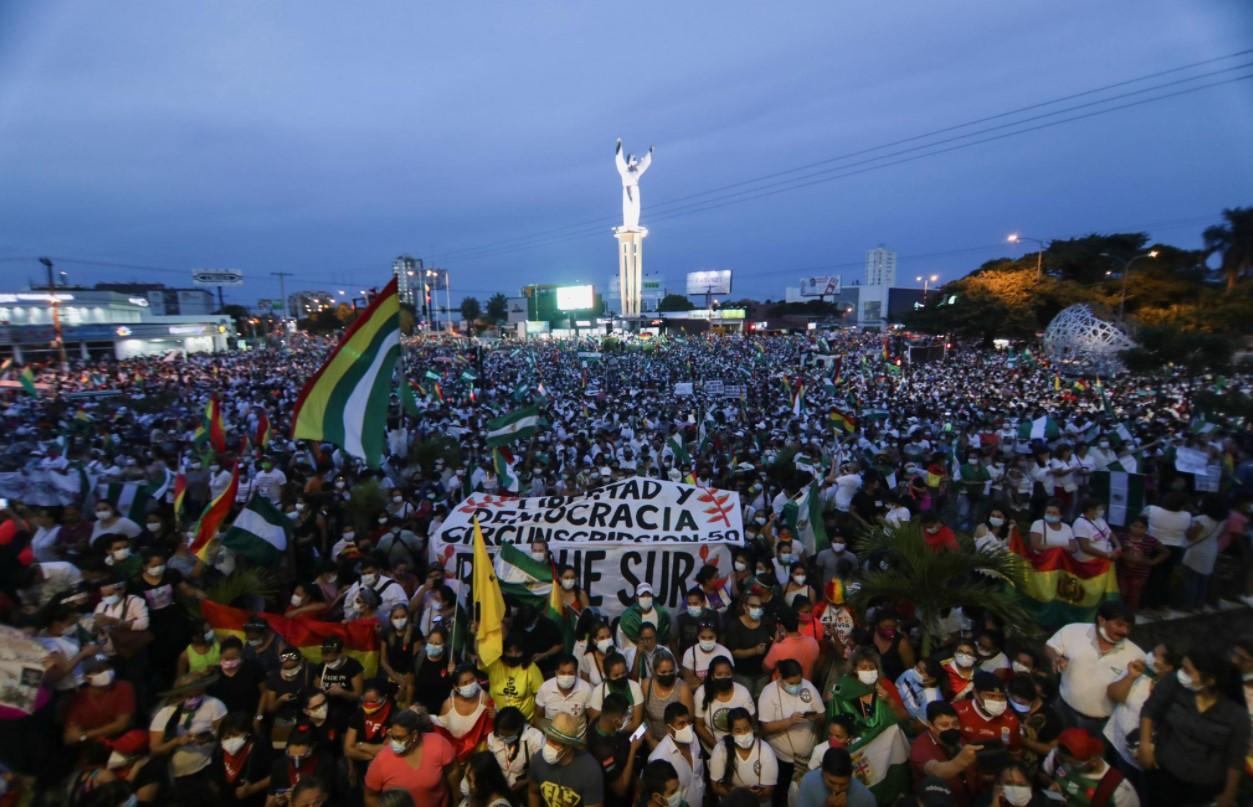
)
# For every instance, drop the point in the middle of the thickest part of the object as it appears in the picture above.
(103, 708)
(794, 645)
(938, 536)
(986, 715)
(939, 752)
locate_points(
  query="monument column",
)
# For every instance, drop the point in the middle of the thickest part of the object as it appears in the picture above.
(630, 268)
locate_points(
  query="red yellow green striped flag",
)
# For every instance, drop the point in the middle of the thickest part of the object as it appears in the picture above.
(180, 496)
(360, 636)
(264, 430)
(345, 402)
(1059, 589)
(213, 516)
(211, 428)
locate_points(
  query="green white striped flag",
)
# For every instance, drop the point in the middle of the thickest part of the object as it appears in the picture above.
(522, 577)
(166, 486)
(506, 476)
(260, 532)
(803, 517)
(1122, 493)
(676, 446)
(130, 499)
(520, 424)
(881, 763)
(1044, 428)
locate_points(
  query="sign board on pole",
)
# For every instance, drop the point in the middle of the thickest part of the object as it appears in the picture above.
(617, 536)
(820, 286)
(709, 281)
(217, 277)
(575, 298)
(517, 309)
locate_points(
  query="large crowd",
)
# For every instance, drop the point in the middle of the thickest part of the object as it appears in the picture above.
(760, 687)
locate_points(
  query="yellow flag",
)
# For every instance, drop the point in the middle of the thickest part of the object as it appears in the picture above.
(489, 603)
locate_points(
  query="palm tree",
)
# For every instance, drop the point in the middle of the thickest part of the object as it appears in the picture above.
(1234, 239)
(939, 581)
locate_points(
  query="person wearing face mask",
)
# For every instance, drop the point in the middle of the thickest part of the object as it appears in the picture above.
(1080, 773)
(1093, 536)
(261, 644)
(1013, 789)
(1039, 724)
(644, 609)
(996, 532)
(110, 522)
(1049, 531)
(797, 584)
(388, 591)
(120, 621)
(398, 544)
(1089, 658)
(185, 730)
(102, 709)
(617, 682)
(467, 714)
(867, 695)
(573, 598)
(660, 786)
(790, 709)
(484, 783)
(566, 692)
(433, 663)
(919, 686)
(202, 651)
(241, 764)
(300, 761)
(280, 701)
(687, 623)
(939, 752)
(960, 669)
(748, 636)
(992, 658)
(741, 573)
(341, 677)
(833, 783)
(716, 698)
(43, 581)
(662, 688)
(1129, 695)
(315, 715)
(938, 536)
(681, 749)
(1194, 733)
(617, 755)
(787, 552)
(121, 557)
(839, 735)
(366, 733)
(564, 773)
(896, 653)
(986, 715)
(718, 594)
(513, 679)
(239, 679)
(515, 744)
(741, 759)
(838, 619)
(699, 656)
(592, 665)
(829, 559)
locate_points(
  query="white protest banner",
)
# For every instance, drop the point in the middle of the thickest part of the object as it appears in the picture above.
(683, 388)
(1190, 461)
(616, 536)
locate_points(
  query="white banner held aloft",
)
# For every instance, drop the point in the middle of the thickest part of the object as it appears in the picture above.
(1190, 461)
(616, 536)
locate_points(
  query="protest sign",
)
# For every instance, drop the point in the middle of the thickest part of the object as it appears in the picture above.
(616, 536)
(1190, 461)
(683, 388)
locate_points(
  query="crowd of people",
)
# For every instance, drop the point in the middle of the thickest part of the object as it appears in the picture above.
(766, 684)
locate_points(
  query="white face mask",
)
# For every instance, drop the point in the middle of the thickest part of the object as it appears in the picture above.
(694, 611)
(604, 645)
(675, 799)
(231, 745)
(318, 713)
(744, 740)
(397, 746)
(1018, 667)
(551, 754)
(156, 571)
(994, 708)
(708, 645)
(740, 565)
(469, 690)
(868, 677)
(799, 579)
(1105, 635)
(646, 603)
(838, 548)
(964, 660)
(1017, 795)
(684, 735)
(101, 679)
(296, 599)
(111, 599)
(1186, 681)
(996, 521)
(565, 681)
(568, 583)
(116, 761)
(369, 580)
(399, 622)
(121, 554)
(465, 786)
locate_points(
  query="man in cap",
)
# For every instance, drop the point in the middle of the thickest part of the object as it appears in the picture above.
(644, 609)
(1079, 769)
(261, 644)
(564, 773)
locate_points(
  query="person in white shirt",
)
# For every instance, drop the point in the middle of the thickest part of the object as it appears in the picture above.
(697, 658)
(1093, 536)
(44, 542)
(118, 610)
(514, 743)
(269, 481)
(1051, 532)
(790, 710)
(186, 728)
(743, 759)
(715, 699)
(1090, 657)
(681, 748)
(1129, 694)
(389, 592)
(566, 692)
(42, 581)
(110, 522)
(219, 480)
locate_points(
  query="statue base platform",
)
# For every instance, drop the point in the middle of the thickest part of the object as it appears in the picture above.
(630, 268)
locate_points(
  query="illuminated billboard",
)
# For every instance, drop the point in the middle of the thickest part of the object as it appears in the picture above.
(709, 281)
(820, 286)
(575, 298)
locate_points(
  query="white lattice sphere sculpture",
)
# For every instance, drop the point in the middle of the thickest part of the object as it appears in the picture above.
(1079, 336)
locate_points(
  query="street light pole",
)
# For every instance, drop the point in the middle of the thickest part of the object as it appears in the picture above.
(926, 282)
(1126, 270)
(55, 301)
(1014, 238)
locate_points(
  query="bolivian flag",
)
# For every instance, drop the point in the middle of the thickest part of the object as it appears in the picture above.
(1059, 589)
(264, 430)
(180, 496)
(306, 635)
(211, 429)
(345, 402)
(213, 516)
(842, 420)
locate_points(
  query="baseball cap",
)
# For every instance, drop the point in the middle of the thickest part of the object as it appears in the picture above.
(1080, 744)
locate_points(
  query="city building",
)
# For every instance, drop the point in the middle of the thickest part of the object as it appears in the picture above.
(407, 269)
(308, 304)
(652, 289)
(880, 267)
(163, 300)
(98, 323)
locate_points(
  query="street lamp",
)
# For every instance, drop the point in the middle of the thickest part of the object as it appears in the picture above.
(1015, 238)
(1126, 270)
(926, 282)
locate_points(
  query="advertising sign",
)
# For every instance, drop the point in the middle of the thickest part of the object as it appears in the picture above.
(217, 277)
(575, 298)
(820, 286)
(709, 281)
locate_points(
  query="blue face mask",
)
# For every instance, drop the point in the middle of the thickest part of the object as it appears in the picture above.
(793, 689)
(434, 650)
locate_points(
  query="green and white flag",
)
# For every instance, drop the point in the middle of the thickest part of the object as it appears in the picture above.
(1044, 428)
(702, 439)
(803, 517)
(504, 462)
(675, 444)
(523, 577)
(260, 532)
(1122, 493)
(520, 424)
(806, 463)
(130, 499)
(166, 486)
(881, 763)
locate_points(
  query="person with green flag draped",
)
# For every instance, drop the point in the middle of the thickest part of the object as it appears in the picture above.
(641, 611)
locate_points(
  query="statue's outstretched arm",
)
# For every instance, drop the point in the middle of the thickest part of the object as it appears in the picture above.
(645, 161)
(617, 158)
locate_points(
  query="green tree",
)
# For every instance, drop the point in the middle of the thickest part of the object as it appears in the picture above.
(674, 302)
(1195, 352)
(498, 308)
(1234, 240)
(470, 309)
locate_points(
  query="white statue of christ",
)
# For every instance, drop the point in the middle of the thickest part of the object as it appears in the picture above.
(631, 169)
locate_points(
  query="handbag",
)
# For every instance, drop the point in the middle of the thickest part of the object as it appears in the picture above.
(128, 642)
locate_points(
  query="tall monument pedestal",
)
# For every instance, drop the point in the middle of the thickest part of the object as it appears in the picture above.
(630, 268)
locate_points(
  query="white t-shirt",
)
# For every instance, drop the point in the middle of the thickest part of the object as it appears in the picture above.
(1097, 532)
(760, 769)
(554, 702)
(775, 703)
(189, 759)
(598, 695)
(697, 660)
(1088, 673)
(1201, 556)
(714, 714)
(1126, 719)
(515, 760)
(691, 777)
(1168, 526)
(122, 526)
(1060, 537)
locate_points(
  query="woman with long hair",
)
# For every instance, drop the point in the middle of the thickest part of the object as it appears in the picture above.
(484, 785)
(742, 759)
(716, 699)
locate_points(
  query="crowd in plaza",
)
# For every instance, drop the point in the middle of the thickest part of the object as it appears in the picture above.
(764, 685)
